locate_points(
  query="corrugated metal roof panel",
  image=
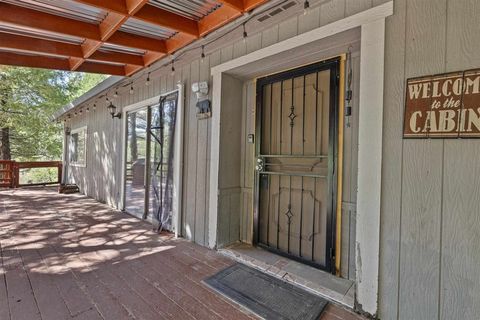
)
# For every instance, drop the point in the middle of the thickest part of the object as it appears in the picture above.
(193, 9)
(64, 8)
(115, 48)
(41, 34)
(140, 27)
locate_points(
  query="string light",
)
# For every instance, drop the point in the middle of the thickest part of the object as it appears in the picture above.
(245, 34)
(147, 83)
(94, 106)
(131, 88)
(87, 110)
(173, 67)
(306, 6)
(115, 95)
(203, 54)
(80, 112)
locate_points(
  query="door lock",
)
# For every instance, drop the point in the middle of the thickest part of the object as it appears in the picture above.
(260, 167)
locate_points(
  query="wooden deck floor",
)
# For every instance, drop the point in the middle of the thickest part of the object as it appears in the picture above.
(70, 257)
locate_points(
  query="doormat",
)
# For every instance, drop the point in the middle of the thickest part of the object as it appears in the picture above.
(267, 296)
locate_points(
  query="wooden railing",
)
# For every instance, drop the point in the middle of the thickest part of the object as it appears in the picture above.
(10, 172)
(6, 174)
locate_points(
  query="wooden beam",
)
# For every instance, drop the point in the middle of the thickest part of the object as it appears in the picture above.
(209, 23)
(134, 5)
(33, 61)
(131, 69)
(25, 17)
(130, 40)
(94, 67)
(234, 4)
(117, 57)
(216, 19)
(167, 19)
(24, 43)
(150, 57)
(252, 4)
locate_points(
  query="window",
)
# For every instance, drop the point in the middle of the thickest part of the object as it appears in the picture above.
(77, 147)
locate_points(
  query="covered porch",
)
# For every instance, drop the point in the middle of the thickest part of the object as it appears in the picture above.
(70, 257)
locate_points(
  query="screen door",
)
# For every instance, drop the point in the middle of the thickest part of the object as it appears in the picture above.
(296, 158)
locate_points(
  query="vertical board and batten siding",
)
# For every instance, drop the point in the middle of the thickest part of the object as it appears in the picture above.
(430, 226)
(104, 160)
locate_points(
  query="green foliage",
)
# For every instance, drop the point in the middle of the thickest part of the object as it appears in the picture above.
(38, 175)
(28, 99)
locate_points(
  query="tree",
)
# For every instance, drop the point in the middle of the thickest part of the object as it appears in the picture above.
(28, 100)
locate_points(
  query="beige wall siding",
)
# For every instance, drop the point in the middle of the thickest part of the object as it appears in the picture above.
(429, 218)
(104, 150)
(429, 224)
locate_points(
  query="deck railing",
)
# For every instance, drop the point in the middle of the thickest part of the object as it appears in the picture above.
(10, 172)
(6, 174)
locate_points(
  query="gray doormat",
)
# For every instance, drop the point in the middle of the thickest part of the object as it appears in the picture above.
(267, 296)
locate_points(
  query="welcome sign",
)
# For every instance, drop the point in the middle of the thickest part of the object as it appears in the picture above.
(443, 106)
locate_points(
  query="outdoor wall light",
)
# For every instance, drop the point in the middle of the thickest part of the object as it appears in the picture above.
(113, 111)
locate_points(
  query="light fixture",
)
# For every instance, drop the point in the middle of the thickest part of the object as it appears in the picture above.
(173, 67)
(147, 83)
(245, 34)
(113, 111)
(80, 112)
(94, 106)
(203, 54)
(306, 6)
(87, 110)
(115, 95)
(131, 88)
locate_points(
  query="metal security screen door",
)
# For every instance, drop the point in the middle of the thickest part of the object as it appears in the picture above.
(296, 129)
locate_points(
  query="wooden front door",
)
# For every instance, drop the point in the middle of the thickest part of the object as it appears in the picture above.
(296, 154)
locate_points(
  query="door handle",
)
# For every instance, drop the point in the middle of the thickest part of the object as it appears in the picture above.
(260, 167)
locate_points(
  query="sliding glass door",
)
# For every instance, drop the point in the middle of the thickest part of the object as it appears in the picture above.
(135, 164)
(149, 165)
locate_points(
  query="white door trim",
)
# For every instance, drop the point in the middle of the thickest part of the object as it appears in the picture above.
(372, 24)
(178, 152)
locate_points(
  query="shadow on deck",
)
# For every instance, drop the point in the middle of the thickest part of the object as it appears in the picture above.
(70, 257)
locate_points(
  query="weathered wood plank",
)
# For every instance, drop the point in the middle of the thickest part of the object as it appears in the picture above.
(331, 11)
(459, 274)
(395, 40)
(422, 174)
(190, 160)
(356, 6)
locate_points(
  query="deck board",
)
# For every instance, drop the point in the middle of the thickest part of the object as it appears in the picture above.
(70, 257)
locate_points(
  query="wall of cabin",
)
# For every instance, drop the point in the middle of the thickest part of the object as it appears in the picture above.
(430, 226)
(429, 218)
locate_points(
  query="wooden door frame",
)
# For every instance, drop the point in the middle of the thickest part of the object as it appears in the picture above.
(333, 65)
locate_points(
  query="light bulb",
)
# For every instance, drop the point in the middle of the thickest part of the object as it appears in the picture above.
(147, 83)
(131, 89)
(203, 54)
(306, 6)
(245, 34)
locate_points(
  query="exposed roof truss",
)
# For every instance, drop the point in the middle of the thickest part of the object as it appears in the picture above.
(117, 37)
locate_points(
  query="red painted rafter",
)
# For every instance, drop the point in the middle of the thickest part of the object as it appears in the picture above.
(108, 32)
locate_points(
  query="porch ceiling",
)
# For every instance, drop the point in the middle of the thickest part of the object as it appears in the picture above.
(117, 37)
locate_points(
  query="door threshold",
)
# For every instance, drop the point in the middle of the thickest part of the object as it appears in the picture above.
(319, 282)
